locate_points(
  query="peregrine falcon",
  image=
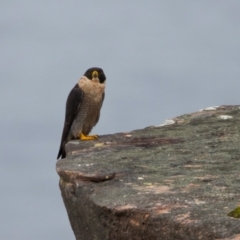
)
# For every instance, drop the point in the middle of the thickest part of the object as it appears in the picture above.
(83, 107)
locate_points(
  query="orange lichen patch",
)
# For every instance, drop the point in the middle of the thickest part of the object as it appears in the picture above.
(146, 216)
(138, 219)
(169, 181)
(125, 207)
(235, 237)
(192, 166)
(182, 217)
(190, 187)
(185, 218)
(161, 189)
(165, 208)
(135, 222)
(153, 189)
(162, 210)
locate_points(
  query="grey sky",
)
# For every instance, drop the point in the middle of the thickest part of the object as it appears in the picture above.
(161, 59)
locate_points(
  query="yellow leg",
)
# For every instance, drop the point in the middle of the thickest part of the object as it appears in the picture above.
(83, 137)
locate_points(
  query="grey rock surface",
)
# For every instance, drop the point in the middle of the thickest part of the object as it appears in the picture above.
(175, 181)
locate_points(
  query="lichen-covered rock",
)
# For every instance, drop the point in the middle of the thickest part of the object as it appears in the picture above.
(175, 181)
(235, 213)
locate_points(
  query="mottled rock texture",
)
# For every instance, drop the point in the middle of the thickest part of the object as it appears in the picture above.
(176, 181)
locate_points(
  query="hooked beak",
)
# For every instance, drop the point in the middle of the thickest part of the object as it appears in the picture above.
(95, 74)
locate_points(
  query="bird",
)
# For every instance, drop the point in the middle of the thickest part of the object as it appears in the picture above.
(83, 106)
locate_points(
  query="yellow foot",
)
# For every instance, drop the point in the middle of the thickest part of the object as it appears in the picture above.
(83, 137)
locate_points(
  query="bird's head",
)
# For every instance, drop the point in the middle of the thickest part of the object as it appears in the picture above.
(95, 73)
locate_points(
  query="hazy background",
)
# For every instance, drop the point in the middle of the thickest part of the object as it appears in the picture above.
(161, 58)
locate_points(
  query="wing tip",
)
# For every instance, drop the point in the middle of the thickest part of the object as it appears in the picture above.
(61, 153)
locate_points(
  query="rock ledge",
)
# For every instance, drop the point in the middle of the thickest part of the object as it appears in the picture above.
(175, 181)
